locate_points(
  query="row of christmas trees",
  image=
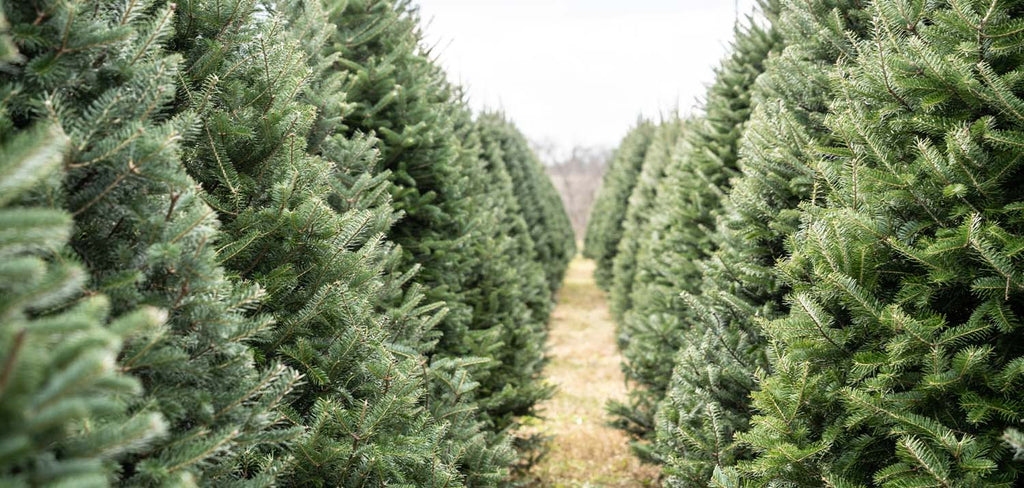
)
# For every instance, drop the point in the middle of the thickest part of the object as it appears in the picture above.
(260, 242)
(819, 278)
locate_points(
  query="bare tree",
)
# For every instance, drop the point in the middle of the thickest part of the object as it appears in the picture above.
(577, 175)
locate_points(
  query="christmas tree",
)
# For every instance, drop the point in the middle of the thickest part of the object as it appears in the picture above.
(657, 158)
(360, 409)
(63, 400)
(147, 238)
(897, 364)
(708, 398)
(604, 229)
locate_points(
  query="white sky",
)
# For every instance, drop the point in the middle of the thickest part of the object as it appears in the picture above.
(579, 72)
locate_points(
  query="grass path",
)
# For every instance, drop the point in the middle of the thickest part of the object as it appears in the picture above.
(585, 366)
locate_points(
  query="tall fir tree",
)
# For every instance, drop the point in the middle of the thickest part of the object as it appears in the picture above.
(396, 93)
(98, 69)
(899, 363)
(682, 226)
(520, 301)
(657, 158)
(635, 416)
(63, 400)
(358, 183)
(708, 397)
(428, 148)
(605, 227)
(360, 409)
(542, 207)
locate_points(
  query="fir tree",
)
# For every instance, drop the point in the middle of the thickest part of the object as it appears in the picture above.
(708, 398)
(99, 70)
(679, 235)
(899, 362)
(542, 207)
(358, 184)
(512, 290)
(605, 227)
(451, 223)
(657, 158)
(360, 408)
(63, 399)
(397, 94)
(636, 416)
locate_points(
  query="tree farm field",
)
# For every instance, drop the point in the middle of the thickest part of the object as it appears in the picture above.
(585, 366)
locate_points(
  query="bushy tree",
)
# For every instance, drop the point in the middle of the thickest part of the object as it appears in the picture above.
(605, 227)
(396, 93)
(519, 301)
(542, 207)
(453, 223)
(708, 397)
(360, 407)
(512, 301)
(636, 415)
(63, 399)
(452, 385)
(681, 229)
(899, 363)
(99, 71)
(657, 158)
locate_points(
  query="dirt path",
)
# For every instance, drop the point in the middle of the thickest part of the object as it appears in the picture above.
(585, 366)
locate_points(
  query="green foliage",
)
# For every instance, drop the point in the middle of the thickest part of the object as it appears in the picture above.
(395, 92)
(637, 415)
(898, 363)
(451, 383)
(512, 301)
(708, 399)
(657, 158)
(63, 399)
(241, 164)
(321, 265)
(607, 217)
(542, 207)
(99, 71)
(520, 301)
(460, 225)
(679, 234)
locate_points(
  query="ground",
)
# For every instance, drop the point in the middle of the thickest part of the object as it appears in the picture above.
(584, 451)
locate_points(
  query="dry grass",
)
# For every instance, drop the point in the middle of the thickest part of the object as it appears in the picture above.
(585, 366)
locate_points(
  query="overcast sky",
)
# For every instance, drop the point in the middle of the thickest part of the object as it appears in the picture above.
(579, 72)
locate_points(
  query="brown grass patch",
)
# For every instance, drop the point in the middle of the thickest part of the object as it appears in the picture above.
(585, 452)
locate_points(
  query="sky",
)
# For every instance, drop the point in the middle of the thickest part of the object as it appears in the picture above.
(580, 72)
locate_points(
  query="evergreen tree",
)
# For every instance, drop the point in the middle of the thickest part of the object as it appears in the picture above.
(542, 207)
(605, 227)
(452, 223)
(63, 399)
(358, 184)
(522, 303)
(360, 408)
(99, 70)
(689, 200)
(898, 364)
(396, 93)
(657, 158)
(708, 398)
(511, 298)
(679, 232)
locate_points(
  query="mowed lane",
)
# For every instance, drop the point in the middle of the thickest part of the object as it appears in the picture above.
(585, 452)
